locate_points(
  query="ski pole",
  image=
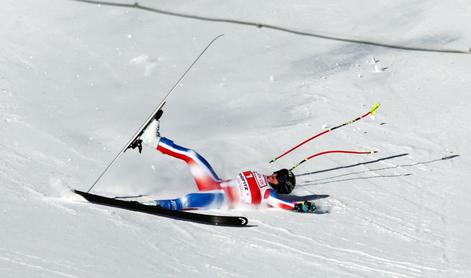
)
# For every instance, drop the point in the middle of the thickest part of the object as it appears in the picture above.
(371, 112)
(328, 152)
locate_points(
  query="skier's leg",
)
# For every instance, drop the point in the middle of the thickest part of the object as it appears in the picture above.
(204, 175)
(201, 200)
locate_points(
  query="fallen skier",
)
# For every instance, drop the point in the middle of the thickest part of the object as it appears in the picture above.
(248, 187)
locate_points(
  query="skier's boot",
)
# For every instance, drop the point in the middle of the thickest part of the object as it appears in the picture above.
(151, 135)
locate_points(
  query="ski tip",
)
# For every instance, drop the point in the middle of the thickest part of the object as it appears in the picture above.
(217, 37)
(234, 221)
(243, 221)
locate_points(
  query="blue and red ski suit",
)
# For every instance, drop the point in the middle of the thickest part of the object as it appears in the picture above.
(247, 188)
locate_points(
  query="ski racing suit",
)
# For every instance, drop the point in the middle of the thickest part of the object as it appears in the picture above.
(248, 187)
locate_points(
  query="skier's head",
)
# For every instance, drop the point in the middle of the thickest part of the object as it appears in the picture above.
(283, 181)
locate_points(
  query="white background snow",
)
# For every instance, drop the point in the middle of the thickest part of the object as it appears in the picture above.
(76, 80)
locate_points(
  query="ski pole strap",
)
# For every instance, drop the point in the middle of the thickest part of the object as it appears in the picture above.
(329, 152)
(372, 112)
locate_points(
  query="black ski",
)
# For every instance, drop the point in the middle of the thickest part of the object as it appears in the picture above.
(135, 141)
(220, 220)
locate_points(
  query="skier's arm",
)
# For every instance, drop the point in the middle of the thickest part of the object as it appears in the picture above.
(275, 200)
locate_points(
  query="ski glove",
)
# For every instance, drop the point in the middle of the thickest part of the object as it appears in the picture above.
(306, 206)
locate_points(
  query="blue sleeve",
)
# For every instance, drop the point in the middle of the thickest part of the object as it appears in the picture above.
(275, 200)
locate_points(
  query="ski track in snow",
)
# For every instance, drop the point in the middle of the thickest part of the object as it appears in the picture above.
(348, 265)
(41, 267)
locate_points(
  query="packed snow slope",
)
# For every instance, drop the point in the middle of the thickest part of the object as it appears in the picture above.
(76, 80)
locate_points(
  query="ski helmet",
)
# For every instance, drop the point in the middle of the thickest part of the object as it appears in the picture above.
(286, 181)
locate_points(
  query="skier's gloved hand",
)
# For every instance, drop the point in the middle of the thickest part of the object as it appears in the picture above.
(305, 206)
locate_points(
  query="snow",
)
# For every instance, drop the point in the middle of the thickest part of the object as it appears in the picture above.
(76, 80)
